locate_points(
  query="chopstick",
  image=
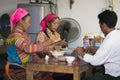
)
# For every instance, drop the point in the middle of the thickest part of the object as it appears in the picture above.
(54, 42)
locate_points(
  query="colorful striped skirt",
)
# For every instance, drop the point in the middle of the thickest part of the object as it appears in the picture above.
(14, 72)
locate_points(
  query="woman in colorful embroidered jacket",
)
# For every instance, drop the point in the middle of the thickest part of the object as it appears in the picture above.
(19, 45)
(49, 35)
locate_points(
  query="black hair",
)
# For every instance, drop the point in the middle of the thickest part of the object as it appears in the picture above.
(5, 25)
(25, 16)
(54, 19)
(108, 17)
(4, 21)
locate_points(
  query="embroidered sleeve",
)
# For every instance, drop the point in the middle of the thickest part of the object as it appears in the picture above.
(24, 45)
(27, 47)
(40, 38)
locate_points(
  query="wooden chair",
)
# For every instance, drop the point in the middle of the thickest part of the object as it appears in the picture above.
(3, 60)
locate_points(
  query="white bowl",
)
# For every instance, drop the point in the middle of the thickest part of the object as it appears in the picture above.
(69, 51)
(57, 53)
(70, 59)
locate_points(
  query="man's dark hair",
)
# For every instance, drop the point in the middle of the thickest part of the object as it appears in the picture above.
(108, 17)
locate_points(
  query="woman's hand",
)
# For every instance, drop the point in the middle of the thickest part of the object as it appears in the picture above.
(63, 43)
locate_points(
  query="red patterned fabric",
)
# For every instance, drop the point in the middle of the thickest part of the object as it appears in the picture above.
(17, 15)
(47, 19)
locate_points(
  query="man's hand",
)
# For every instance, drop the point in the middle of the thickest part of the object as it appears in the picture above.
(80, 51)
(91, 49)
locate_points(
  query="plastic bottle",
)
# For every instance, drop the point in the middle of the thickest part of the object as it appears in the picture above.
(86, 42)
(91, 40)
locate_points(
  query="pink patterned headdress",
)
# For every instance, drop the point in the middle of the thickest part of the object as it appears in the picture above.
(17, 15)
(47, 19)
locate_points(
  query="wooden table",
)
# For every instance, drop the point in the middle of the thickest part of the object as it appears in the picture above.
(59, 67)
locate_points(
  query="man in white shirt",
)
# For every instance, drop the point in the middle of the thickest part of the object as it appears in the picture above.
(108, 54)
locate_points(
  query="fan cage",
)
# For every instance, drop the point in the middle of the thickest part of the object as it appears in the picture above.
(69, 29)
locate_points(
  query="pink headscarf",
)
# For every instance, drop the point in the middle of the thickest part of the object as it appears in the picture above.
(47, 19)
(17, 15)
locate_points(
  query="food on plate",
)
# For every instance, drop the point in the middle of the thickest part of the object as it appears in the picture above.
(58, 48)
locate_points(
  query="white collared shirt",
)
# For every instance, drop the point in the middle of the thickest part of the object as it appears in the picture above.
(108, 54)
